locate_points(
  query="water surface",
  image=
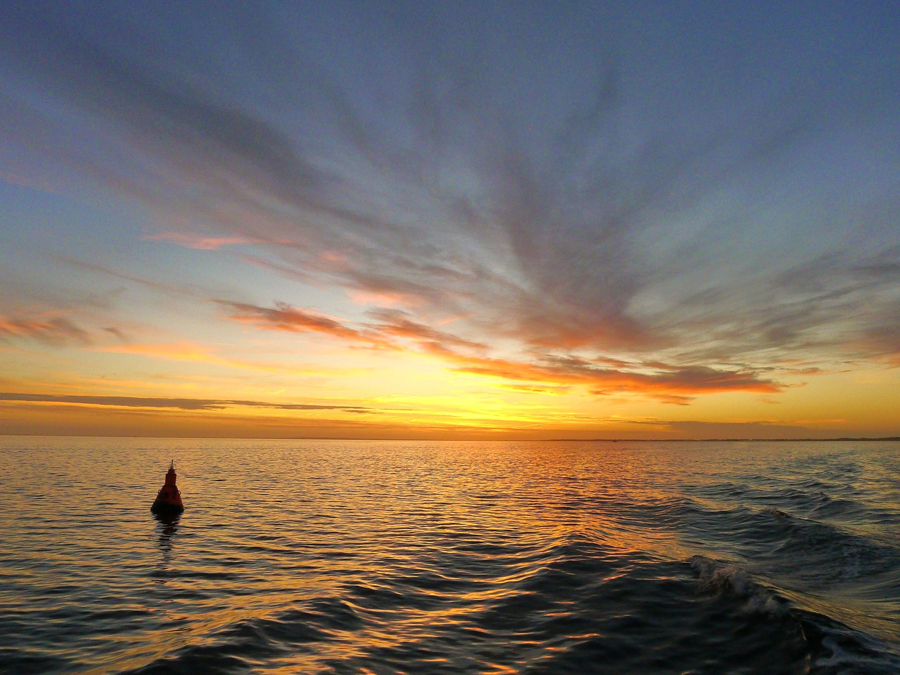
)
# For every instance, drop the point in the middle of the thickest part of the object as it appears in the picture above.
(423, 557)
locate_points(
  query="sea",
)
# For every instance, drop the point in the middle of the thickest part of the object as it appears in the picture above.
(309, 556)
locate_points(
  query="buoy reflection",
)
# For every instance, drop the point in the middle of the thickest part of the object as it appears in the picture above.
(166, 529)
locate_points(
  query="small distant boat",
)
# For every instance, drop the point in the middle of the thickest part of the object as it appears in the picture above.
(168, 500)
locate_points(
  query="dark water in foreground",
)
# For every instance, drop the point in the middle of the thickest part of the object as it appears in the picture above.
(388, 557)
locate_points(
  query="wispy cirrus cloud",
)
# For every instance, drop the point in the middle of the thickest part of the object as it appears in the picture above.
(286, 318)
(102, 270)
(544, 204)
(392, 327)
(56, 331)
(26, 182)
(400, 324)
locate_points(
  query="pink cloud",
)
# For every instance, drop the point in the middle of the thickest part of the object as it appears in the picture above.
(198, 242)
(53, 331)
(382, 299)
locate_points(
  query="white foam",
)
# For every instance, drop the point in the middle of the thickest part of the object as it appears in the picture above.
(877, 658)
(719, 577)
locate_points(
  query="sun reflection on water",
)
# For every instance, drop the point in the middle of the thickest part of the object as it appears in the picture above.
(340, 555)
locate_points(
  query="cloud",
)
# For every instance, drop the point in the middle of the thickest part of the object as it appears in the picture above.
(172, 403)
(286, 318)
(539, 388)
(162, 287)
(672, 385)
(399, 324)
(180, 351)
(196, 353)
(456, 176)
(196, 241)
(112, 330)
(395, 329)
(24, 181)
(56, 331)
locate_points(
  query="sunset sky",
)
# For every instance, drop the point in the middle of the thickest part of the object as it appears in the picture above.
(450, 220)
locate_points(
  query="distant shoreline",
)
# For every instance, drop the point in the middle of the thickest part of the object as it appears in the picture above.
(725, 440)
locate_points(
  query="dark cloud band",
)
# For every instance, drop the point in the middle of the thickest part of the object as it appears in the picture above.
(170, 403)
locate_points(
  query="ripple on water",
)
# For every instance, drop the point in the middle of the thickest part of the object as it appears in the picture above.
(350, 557)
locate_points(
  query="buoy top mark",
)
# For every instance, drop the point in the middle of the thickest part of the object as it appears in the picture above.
(171, 475)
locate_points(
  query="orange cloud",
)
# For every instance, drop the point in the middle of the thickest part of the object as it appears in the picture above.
(181, 351)
(673, 385)
(287, 318)
(664, 382)
(393, 325)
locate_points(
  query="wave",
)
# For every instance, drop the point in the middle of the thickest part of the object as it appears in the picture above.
(583, 609)
(552, 568)
(831, 647)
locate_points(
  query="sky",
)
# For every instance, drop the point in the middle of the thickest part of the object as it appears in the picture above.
(507, 220)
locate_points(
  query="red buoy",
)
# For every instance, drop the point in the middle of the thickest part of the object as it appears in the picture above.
(169, 498)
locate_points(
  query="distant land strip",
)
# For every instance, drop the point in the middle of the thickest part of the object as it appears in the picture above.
(722, 440)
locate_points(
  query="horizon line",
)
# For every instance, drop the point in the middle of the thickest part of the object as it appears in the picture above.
(540, 440)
